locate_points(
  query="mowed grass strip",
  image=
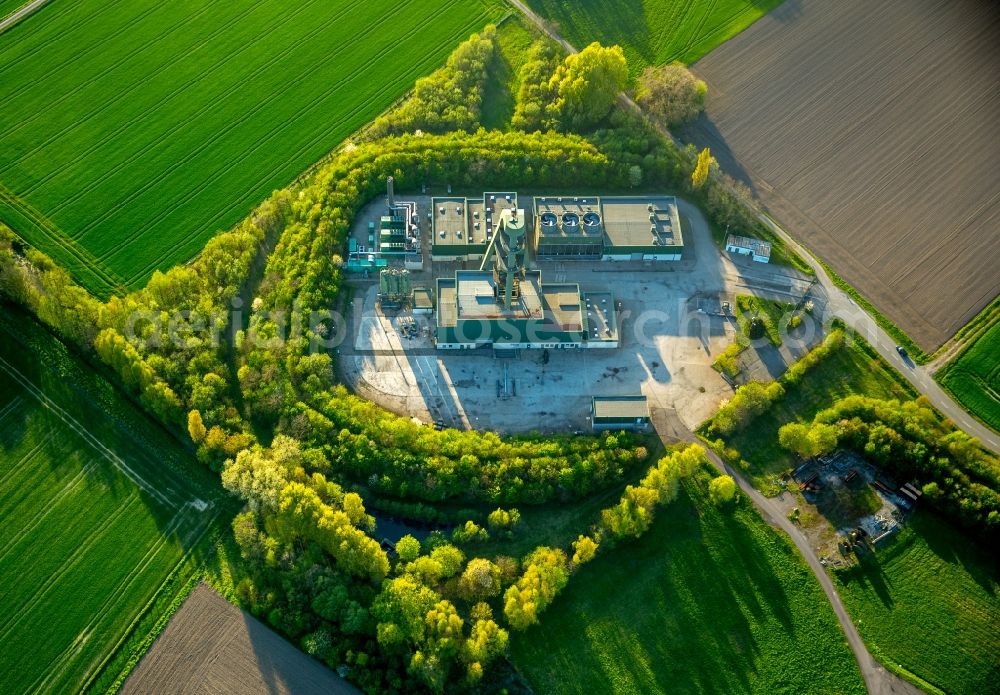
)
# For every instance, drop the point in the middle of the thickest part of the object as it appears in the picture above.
(973, 377)
(706, 601)
(930, 602)
(164, 122)
(83, 547)
(652, 32)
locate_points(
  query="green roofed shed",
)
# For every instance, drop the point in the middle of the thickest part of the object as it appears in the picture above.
(619, 412)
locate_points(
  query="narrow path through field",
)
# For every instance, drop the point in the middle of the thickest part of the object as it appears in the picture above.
(19, 14)
(878, 681)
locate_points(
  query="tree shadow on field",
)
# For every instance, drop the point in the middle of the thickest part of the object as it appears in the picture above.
(787, 11)
(869, 573)
(94, 440)
(949, 543)
(703, 132)
(605, 21)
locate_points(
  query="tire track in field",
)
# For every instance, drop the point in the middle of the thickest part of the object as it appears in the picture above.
(63, 660)
(201, 76)
(120, 95)
(24, 460)
(274, 96)
(11, 405)
(700, 27)
(68, 564)
(96, 44)
(34, 522)
(59, 238)
(79, 429)
(249, 192)
(91, 19)
(130, 628)
(180, 126)
(249, 195)
(24, 38)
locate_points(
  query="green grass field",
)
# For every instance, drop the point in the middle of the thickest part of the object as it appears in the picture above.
(652, 32)
(514, 40)
(97, 513)
(706, 601)
(930, 602)
(8, 6)
(973, 377)
(163, 122)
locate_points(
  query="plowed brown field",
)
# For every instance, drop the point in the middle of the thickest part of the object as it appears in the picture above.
(871, 131)
(211, 646)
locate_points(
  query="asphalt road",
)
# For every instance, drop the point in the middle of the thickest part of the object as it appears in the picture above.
(839, 303)
(19, 14)
(856, 318)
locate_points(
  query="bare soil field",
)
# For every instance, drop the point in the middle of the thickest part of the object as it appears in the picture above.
(869, 130)
(211, 646)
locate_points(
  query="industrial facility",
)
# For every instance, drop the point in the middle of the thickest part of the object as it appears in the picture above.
(502, 300)
(646, 228)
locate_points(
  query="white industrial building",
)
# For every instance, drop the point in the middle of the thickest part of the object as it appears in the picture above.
(758, 249)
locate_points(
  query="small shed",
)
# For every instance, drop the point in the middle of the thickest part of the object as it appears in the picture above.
(619, 413)
(423, 301)
(758, 249)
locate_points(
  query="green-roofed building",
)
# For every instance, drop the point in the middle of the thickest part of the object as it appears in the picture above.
(619, 413)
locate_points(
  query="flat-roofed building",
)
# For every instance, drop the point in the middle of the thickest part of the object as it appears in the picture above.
(504, 305)
(619, 413)
(461, 228)
(470, 315)
(568, 227)
(757, 249)
(642, 228)
(450, 230)
(600, 316)
(617, 228)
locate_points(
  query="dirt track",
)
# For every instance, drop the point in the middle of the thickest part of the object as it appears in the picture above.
(211, 646)
(869, 130)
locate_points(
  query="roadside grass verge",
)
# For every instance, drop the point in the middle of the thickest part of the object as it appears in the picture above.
(928, 607)
(972, 377)
(916, 353)
(705, 601)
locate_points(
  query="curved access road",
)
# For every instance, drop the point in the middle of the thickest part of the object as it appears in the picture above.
(877, 679)
(843, 307)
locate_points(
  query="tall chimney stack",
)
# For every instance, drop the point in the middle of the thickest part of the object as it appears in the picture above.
(390, 197)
